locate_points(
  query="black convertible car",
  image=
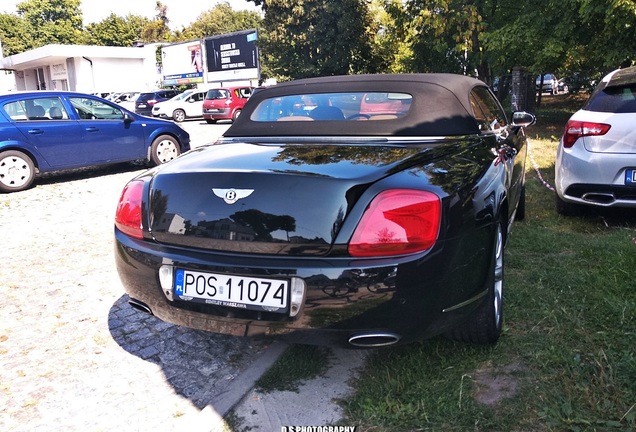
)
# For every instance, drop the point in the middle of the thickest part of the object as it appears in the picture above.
(362, 211)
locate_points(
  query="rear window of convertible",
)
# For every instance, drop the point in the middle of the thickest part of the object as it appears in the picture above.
(333, 106)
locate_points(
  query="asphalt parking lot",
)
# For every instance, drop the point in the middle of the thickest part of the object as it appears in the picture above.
(73, 355)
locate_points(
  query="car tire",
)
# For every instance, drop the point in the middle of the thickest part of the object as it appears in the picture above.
(164, 148)
(179, 115)
(17, 171)
(210, 121)
(236, 114)
(485, 324)
(565, 208)
(521, 206)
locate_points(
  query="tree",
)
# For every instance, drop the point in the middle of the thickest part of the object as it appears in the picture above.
(446, 35)
(116, 31)
(52, 21)
(394, 36)
(489, 37)
(606, 32)
(157, 30)
(222, 19)
(317, 37)
(14, 34)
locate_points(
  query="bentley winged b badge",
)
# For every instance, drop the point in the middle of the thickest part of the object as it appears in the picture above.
(230, 196)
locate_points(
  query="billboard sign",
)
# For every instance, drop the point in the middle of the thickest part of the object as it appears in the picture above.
(182, 63)
(232, 56)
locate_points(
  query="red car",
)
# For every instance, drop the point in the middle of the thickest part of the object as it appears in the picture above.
(225, 103)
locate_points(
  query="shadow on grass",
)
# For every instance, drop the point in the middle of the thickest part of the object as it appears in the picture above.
(554, 113)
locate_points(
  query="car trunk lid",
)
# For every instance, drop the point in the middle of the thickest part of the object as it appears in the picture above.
(273, 199)
(621, 137)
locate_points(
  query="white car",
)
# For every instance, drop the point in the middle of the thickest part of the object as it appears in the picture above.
(596, 157)
(550, 83)
(188, 104)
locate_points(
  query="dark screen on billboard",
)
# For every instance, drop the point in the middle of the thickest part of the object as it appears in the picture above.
(232, 51)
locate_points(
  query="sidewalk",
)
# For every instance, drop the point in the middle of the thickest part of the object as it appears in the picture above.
(74, 356)
(315, 404)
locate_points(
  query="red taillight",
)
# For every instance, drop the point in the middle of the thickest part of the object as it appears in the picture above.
(151, 102)
(128, 214)
(575, 129)
(397, 222)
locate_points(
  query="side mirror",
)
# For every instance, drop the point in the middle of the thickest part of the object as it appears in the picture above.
(128, 118)
(523, 119)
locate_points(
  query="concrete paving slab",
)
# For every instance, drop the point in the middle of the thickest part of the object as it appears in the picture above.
(315, 404)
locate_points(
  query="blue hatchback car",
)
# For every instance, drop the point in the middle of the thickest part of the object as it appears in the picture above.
(46, 131)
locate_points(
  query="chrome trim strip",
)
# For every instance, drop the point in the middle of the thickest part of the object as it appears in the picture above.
(467, 302)
(344, 139)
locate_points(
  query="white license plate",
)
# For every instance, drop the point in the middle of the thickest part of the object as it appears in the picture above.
(232, 291)
(630, 177)
(141, 106)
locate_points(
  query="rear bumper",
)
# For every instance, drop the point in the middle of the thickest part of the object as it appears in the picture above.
(596, 179)
(217, 114)
(369, 302)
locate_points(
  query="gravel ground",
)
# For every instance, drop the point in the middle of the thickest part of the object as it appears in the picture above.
(73, 355)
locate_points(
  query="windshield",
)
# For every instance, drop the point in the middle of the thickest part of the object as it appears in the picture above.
(217, 94)
(183, 95)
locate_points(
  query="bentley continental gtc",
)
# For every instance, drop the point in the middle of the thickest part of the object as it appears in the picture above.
(359, 211)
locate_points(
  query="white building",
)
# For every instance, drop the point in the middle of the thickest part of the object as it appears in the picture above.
(85, 68)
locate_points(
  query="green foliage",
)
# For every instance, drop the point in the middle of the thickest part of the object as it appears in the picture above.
(563, 35)
(447, 34)
(222, 19)
(14, 34)
(393, 40)
(116, 31)
(318, 37)
(303, 38)
(52, 21)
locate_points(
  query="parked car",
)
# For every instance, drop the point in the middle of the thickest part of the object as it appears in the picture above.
(127, 100)
(550, 84)
(126, 96)
(225, 103)
(259, 88)
(46, 131)
(495, 85)
(145, 101)
(596, 157)
(332, 226)
(563, 86)
(185, 105)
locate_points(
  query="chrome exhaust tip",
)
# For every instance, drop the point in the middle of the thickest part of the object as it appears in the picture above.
(374, 340)
(599, 197)
(140, 306)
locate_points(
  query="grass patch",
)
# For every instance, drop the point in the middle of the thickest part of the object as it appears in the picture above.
(233, 423)
(297, 364)
(566, 359)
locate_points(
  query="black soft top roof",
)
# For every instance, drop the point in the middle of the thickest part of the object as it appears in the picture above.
(440, 106)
